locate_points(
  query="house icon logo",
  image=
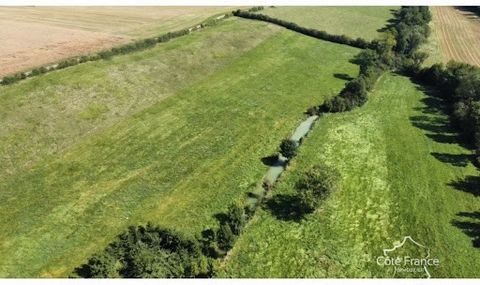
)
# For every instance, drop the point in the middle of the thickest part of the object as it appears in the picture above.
(408, 258)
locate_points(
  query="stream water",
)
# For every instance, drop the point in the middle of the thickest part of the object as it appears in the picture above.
(277, 168)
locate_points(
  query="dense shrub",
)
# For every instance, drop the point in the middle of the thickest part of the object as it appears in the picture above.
(99, 266)
(236, 218)
(410, 28)
(148, 252)
(354, 94)
(225, 237)
(217, 242)
(12, 78)
(315, 185)
(288, 148)
(106, 54)
(67, 63)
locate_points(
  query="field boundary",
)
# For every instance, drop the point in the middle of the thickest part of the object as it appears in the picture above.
(138, 45)
(322, 35)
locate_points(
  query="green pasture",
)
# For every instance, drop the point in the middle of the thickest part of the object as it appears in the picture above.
(354, 22)
(171, 135)
(404, 173)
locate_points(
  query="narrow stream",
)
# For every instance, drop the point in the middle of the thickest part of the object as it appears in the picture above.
(275, 170)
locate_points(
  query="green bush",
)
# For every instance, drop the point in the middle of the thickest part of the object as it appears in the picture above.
(236, 218)
(315, 185)
(106, 54)
(288, 148)
(148, 252)
(225, 237)
(10, 79)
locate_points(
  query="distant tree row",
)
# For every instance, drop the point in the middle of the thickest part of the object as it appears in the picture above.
(476, 9)
(107, 54)
(340, 39)
(255, 9)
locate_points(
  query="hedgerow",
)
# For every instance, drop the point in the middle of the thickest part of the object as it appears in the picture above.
(340, 39)
(107, 54)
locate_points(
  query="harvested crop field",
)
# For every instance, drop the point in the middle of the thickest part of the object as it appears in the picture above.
(458, 34)
(27, 45)
(33, 36)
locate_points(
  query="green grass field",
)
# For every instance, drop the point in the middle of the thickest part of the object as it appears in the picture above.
(63, 107)
(170, 135)
(351, 21)
(403, 173)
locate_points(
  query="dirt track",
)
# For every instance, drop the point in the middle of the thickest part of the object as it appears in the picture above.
(458, 33)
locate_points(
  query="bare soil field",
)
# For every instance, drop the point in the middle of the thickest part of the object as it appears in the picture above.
(458, 33)
(33, 36)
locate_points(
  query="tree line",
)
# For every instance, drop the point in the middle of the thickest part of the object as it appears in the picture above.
(107, 54)
(396, 50)
(459, 85)
(323, 35)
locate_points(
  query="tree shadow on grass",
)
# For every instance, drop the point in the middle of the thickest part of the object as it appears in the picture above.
(343, 76)
(271, 160)
(460, 160)
(435, 121)
(429, 124)
(390, 22)
(444, 138)
(431, 104)
(285, 207)
(221, 217)
(470, 225)
(83, 271)
(471, 184)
